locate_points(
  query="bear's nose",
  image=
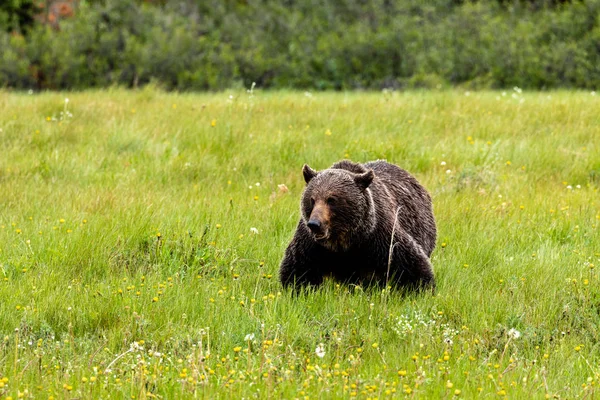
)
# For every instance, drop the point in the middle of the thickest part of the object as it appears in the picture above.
(314, 225)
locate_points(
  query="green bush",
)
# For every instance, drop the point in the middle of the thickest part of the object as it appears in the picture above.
(333, 44)
(17, 15)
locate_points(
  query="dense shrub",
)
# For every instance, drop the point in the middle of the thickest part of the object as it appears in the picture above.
(333, 44)
(17, 15)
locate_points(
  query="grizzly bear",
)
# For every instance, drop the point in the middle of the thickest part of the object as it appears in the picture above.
(364, 224)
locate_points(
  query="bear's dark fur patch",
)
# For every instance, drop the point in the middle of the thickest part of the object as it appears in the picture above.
(349, 213)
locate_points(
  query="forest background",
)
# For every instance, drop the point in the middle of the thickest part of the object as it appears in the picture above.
(299, 44)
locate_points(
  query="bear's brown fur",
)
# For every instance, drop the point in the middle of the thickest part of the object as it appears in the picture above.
(349, 214)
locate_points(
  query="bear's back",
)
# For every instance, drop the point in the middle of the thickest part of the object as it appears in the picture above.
(415, 213)
(395, 189)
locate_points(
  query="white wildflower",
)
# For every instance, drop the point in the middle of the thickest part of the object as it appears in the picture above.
(135, 346)
(320, 350)
(249, 337)
(254, 231)
(513, 333)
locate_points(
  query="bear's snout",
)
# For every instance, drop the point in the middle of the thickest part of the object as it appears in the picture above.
(318, 229)
(318, 221)
(314, 225)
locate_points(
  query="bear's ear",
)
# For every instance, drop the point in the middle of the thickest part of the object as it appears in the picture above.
(308, 173)
(364, 180)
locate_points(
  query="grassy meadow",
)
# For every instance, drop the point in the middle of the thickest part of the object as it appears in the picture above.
(141, 234)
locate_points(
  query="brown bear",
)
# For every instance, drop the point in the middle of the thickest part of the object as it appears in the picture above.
(362, 224)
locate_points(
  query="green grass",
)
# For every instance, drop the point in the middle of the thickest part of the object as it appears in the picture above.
(128, 267)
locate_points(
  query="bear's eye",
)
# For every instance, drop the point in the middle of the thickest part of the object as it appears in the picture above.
(312, 202)
(331, 201)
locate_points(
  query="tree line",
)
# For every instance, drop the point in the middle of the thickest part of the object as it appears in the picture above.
(303, 44)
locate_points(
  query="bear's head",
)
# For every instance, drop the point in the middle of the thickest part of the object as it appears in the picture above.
(336, 205)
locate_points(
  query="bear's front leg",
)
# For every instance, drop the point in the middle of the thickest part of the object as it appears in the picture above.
(408, 265)
(299, 267)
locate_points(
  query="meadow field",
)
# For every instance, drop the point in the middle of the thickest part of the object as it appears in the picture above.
(141, 234)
